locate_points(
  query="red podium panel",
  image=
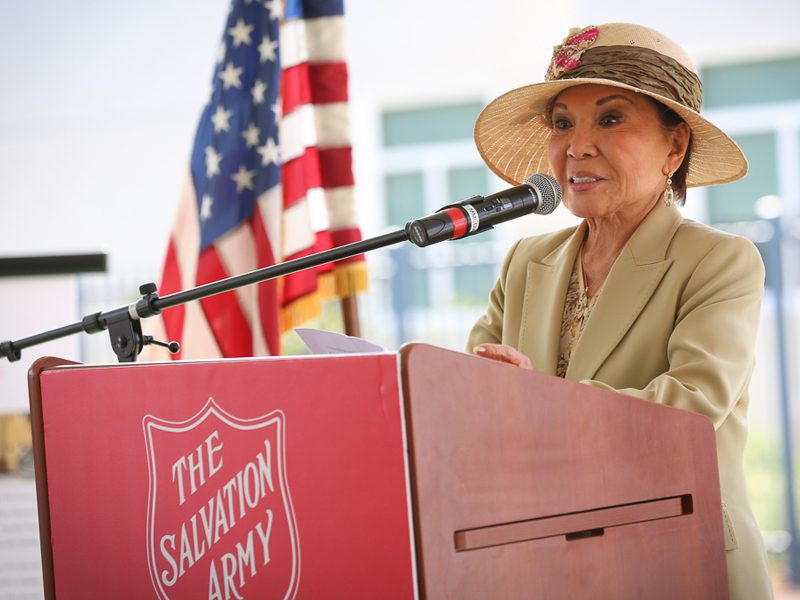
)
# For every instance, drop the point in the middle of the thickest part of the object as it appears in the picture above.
(529, 486)
(229, 479)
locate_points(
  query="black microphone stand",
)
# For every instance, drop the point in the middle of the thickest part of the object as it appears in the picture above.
(124, 323)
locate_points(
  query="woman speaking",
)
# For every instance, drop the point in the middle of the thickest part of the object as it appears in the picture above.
(636, 299)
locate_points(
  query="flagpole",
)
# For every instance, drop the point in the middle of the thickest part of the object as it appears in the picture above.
(349, 306)
(124, 323)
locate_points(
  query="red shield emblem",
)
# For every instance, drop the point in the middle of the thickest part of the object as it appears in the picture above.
(220, 521)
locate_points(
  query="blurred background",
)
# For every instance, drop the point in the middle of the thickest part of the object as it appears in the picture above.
(98, 113)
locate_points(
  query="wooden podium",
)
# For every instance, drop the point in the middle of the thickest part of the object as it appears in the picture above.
(424, 473)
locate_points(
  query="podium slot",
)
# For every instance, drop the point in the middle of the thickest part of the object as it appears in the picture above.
(574, 526)
(580, 535)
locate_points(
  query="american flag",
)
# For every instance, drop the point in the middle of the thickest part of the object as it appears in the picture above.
(271, 180)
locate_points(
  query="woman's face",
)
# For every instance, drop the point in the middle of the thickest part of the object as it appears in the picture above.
(609, 151)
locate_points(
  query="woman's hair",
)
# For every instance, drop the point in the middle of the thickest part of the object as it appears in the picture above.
(670, 120)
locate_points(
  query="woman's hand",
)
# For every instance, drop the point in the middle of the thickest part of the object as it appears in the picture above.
(503, 353)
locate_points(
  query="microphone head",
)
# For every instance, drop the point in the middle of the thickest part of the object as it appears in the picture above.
(549, 192)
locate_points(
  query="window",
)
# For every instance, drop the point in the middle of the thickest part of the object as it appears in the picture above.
(758, 104)
(751, 83)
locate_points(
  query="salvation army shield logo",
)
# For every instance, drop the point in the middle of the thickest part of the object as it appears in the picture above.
(220, 521)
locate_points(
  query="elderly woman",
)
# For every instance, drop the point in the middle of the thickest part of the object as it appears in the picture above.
(635, 299)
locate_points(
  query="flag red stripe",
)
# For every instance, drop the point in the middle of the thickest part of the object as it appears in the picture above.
(344, 236)
(337, 167)
(300, 175)
(170, 283)
(268, 303)
(328, 82)
(295, 87)
(223, 312)
(319, 83)
(328, 168)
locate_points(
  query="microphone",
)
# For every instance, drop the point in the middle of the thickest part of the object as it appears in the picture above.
(540, 194)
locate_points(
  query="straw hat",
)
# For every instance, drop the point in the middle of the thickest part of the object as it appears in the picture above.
(512, 132)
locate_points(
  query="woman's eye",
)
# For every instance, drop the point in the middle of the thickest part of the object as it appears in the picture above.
(607, 120)
(560, 123)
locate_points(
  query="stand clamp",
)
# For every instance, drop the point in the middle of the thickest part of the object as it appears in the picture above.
(125, 326)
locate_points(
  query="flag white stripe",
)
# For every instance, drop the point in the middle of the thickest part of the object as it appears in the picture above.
(341, 208)
(309, 125)
(319, 212)
(186, 233)
(198, 339)
(325, 37)
(270, 205)
(317, 40)
(298, 234)
(294, 43)
(332, 124)
(297, 132)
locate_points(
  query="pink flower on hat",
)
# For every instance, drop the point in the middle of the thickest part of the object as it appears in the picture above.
(567, 55)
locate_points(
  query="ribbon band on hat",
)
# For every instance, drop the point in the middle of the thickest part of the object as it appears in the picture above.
(640, 68)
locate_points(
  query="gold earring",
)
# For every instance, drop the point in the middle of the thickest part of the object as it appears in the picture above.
(669, 194)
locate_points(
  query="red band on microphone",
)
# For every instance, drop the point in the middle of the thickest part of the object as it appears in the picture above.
(459, 222)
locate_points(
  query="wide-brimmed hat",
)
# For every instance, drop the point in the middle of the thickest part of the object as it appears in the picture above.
(512, 132)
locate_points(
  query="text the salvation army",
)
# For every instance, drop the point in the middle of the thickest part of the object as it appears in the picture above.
(227, 505)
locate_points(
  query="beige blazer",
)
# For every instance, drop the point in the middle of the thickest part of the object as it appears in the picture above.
(675, 323)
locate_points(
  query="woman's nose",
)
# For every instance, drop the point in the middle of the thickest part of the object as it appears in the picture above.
(581, 143)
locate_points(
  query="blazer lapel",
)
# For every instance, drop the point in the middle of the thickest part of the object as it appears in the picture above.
(545, 290)
(629, 286)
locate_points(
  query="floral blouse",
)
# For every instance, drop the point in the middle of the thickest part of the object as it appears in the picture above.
(577, 308)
